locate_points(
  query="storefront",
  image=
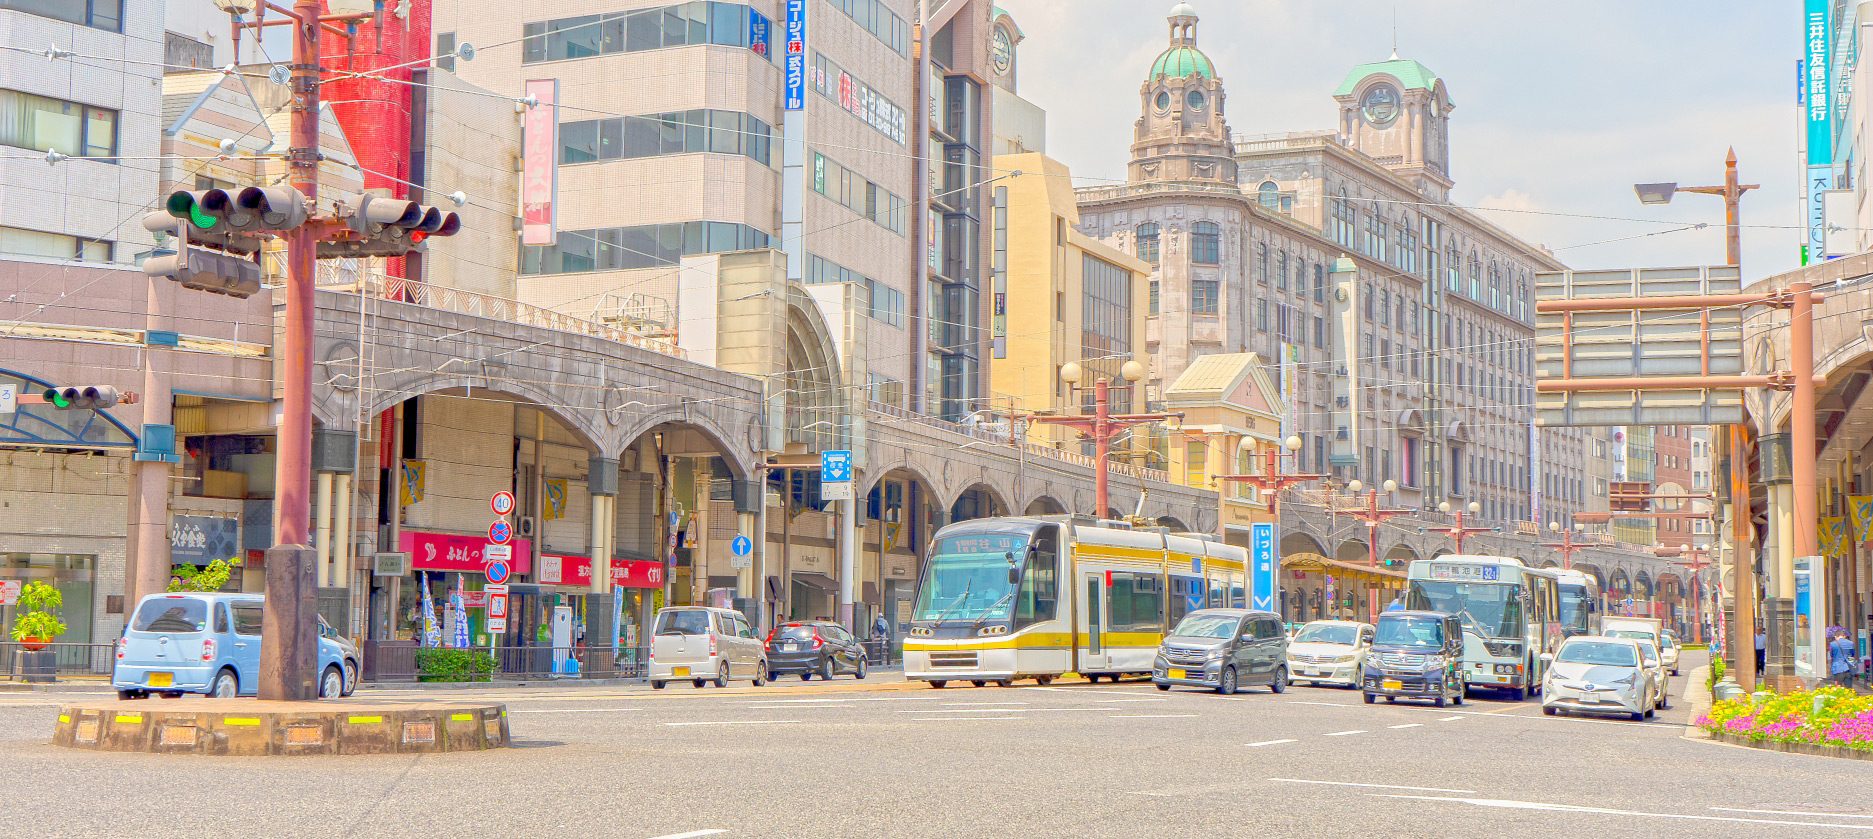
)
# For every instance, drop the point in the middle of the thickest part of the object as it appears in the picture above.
(71, 574)
(637, 587)
(445, 563)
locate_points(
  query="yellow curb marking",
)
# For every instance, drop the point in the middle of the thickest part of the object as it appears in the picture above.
(129, 718)
(240, 721)
(364, 720)
(462, 717)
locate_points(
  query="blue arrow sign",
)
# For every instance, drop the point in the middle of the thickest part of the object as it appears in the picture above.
(1262, 565)
(835, 466)
(741, 546)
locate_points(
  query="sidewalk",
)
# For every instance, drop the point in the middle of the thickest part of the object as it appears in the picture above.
(634, 681)
(1697, 695)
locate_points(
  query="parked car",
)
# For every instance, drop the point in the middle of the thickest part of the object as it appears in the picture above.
(704, 644)
(813, 648)
(1329, 652)
(1655, 663)
(1224, 649)
(1668, 650)
(209, 643)
(1415, 655)
(1598, 675)
(350, 657)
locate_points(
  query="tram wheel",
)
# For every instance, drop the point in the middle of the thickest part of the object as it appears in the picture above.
(1004, 682)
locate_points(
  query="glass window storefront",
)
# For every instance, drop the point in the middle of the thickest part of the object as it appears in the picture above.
(71, 574)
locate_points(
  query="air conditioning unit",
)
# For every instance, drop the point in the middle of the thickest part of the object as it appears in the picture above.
(390, 565)
(527, 527)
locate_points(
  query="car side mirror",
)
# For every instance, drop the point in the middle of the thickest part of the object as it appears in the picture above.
(1547, 657)
(1248, 637)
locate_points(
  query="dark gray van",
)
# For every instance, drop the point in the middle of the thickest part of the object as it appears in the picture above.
(1224, 649)
(1415, 655)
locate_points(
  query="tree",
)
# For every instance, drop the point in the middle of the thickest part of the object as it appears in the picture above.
(210, 578)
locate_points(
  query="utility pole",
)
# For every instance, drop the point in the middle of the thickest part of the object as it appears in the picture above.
(1696, 560)
(1270, 481)
(1102, 425)
(1458, 532)
(1373, 515)
(1566, 546)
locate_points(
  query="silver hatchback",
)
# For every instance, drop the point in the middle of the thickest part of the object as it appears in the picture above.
(704, 644)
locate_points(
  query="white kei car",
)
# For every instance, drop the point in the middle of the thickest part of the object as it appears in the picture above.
(1329, 652)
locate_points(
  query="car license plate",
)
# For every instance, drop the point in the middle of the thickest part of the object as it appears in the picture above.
(1312, 672)
(1174, 674)
(1392, 684)
(162, 680)
(789, 647)
(680, 671)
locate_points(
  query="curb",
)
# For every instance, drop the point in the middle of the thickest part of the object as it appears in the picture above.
(1697, 694)
(1841, 752)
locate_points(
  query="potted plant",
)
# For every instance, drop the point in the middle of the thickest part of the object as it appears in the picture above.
(38, 622)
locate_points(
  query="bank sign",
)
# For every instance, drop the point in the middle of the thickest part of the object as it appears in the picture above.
(1819, 116)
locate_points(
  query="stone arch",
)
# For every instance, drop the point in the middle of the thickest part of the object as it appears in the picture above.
(1642, 586)
(977, 501)
(701, 424)
(1402, 552)
(812, 380)
(1618, 583)
(1044, 505)
(1351, 550)
(1301, 543)
(583, 423)
(1173, 524)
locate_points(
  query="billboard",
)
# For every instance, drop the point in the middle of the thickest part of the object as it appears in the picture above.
(539, 170)
(794, 67)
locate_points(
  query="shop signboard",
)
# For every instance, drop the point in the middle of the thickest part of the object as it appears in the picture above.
(9, 592)
(577, 571)
(199, 540)
(450, 552)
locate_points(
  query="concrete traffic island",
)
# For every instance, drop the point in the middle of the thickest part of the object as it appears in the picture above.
(250, 727)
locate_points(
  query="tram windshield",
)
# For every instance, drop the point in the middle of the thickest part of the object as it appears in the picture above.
(967, 578)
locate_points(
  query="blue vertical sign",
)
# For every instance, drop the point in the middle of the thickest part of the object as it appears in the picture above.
(796, 54)
(1262, 566)
(1819, 115)
(758, 34)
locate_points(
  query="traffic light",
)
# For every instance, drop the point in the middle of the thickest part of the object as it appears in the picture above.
(221, 272)
(389, 227)
(82, 398)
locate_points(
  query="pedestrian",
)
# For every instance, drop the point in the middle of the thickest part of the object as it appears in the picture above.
(881, 635)
(1840, 658)
(1762, 650)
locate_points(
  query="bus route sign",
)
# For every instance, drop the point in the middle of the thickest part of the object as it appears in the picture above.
(1464, 572)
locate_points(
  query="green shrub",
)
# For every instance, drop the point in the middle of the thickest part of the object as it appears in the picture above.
(443, 664)
(38, 607)
(1716, 672)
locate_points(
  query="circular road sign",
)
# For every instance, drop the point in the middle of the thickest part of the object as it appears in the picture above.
(502, 503)
(500, 533)
(741, 546)
(497, 572)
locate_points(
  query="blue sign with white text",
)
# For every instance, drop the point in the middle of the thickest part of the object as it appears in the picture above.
(795, 58)
(835, 466)
(1262, 566)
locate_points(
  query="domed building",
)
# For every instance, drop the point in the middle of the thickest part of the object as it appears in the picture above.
(1180, 134)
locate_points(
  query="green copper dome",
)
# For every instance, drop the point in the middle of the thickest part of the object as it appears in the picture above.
(1179, 62)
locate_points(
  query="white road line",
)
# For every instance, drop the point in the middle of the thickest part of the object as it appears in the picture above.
(1606, 811)
(1146, 716)
(1271, 743)
(1328, 704)
(1344, 733)
(1448, 719)
(692, 834)
(736, 722)
(1086, 690)
(1406, 725)
(952, 719)
(967, 711)
(1368, 786)
(959, 704)
(1793, 813)
(1114, 701)
(573, 710)
(798, 707)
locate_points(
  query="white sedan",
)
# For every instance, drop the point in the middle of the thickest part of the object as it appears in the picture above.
(1329, 652)
(1599, 675)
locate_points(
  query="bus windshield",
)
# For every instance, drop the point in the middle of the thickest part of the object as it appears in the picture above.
(1577, 607)
(1492, 610)
(967, 579)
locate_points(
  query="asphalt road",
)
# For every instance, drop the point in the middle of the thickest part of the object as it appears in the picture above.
(884, 759)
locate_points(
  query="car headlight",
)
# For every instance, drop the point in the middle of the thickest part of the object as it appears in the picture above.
(1345, 659)
(1214, 655)
(1434, 662)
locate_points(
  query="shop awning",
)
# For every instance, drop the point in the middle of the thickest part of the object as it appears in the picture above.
(816, 580)
(1324, 565)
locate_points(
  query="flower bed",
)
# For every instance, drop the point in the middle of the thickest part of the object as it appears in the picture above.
(1844, 720)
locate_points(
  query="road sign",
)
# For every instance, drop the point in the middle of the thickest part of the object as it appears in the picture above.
(742, 549)
(497, 607)
(502, 503)
(498, 571)
(835, 475)
(9, 592)
(504, 553)
(1262, 565)
(500, 533)
(9, 399)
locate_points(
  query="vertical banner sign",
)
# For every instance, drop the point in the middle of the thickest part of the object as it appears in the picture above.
(759, 33)
(555, 499)
(1820, 121)
(1262, 565)
(796, 54)
(1862, 507)
(1535, 468)
(1807, 620)
(539, 172)
(414, 475)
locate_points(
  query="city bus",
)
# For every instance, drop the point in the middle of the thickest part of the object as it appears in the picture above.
(1037, 597)
(1509, 612)
(1579, 596)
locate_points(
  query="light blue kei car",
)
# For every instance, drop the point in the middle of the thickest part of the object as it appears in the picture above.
(209, 643)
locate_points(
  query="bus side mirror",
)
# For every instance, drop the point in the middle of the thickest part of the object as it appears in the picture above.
(1014, 575)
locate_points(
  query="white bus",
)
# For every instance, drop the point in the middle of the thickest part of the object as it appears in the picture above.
(1579, 596)
(1509, 614)
(1037, 597)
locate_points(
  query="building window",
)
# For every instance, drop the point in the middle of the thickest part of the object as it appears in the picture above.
(1281, 271)
(1320, 283)
(1261, 315)
(1476, 278)
(1344, 220)
(1148, 242)
(445, 51)
(679, 25)
(39, 123)
(17, 242)
(1203, 297)
(1369, 297)
(681, 132)
(874, 17)
(857, 194)
(863, 101)
(1433, 240)
(1385, 307)
(1196, 457)
(882, 302)
(1206, 243)
(646, 246)
(1154, 297)
(100, 14)
(1320, 332)
(1261, 264)
(1105, 309)
(1268, 195)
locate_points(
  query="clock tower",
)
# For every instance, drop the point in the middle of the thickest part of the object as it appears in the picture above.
(1398, 112)
(1181, 134)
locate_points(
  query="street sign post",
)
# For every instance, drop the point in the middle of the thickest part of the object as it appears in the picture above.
(835, 475)
(1262, 565)
(741, 549)
(497, 609)
(498, 571)
(500, 533)
(502, 503)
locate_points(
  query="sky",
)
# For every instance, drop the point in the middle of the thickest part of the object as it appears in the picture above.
(1560, 106)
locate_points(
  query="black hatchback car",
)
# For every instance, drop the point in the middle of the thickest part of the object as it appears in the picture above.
(813, 648)
(1415, 655)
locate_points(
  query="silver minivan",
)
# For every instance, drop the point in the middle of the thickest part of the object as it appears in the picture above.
(704, 644)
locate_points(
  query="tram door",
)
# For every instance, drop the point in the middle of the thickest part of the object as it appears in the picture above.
(1092, 652)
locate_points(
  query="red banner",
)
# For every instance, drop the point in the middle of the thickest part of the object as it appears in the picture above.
(447, 552)
(539, 176)
(577, 571)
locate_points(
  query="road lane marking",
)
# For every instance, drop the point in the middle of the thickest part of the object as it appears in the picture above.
(1406, 725)
(1448, 719)
(1344, 733)
(1271, 743)
(735, 722)
(1607, 811)
(572, 710)
(1146, 716)
(1115, 701)
(1328, 704)
(1368, 786)
(1086, 690)
(971, 719)
(798, 707)
(967, 711)
(692, 834)
(959, 704)
(1793, 813)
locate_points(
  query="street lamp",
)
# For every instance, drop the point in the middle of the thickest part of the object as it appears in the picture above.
(1730, 191)
(1458, 531)
(1103, 424)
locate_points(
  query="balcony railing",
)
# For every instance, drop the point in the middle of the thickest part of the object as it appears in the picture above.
(1113, 193)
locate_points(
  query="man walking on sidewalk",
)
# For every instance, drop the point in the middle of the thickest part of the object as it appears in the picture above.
(1762, 650)
(881, 635)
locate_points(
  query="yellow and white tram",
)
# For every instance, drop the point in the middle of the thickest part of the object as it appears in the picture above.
(1036, 597)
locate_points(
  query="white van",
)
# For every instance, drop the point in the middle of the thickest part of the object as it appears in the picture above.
(1641, 629)
(704, 644)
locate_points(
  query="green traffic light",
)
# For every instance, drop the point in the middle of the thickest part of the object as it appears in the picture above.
(183, 205)
(56, 398)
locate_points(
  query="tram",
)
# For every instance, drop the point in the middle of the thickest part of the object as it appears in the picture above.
(1040, 596)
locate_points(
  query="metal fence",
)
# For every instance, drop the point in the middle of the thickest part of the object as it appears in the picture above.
(484, 664)
(70, 661)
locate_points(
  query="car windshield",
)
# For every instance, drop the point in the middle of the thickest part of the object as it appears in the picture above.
(1492, 610)
(1634, 634)
(683, 622)
(1410, 632)
(1597, 652)
(1328, 633)
(1206, 626)
(1650, 652)
(171, 614)
(967, 578)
